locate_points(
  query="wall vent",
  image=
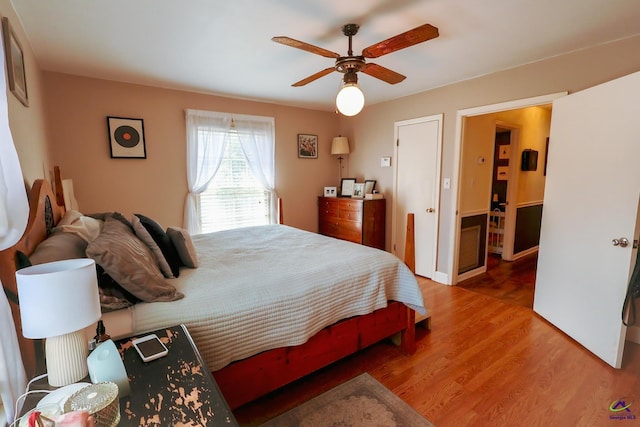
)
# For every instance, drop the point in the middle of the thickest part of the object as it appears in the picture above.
(469, 249)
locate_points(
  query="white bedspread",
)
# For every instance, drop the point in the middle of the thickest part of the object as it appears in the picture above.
(260, 288)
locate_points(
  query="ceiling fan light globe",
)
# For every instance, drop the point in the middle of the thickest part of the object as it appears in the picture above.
(350, 100)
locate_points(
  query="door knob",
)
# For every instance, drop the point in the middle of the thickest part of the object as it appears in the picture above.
(430, 210)
(623, 242)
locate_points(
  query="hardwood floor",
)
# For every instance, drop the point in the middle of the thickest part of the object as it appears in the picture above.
(509, 281)
(486, 362)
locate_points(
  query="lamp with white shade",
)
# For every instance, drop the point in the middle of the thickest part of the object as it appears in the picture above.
(340, 146)
(57, 301)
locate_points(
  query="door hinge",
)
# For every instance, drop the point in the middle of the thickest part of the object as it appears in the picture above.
(398, 142)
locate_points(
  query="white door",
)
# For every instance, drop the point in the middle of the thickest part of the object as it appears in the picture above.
(416, 188)
(591, 197)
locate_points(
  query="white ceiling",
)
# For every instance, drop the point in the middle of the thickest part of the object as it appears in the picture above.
(225, 47)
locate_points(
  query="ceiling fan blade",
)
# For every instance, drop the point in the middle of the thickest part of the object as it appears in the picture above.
(382, 73)
(409, 38)
(287, 41)
(313, 77)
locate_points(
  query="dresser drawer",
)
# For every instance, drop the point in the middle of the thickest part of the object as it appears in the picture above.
(354, 220)
(350, 215)
(328, 227)
(341, 229)
(349, 205)
(329, 207)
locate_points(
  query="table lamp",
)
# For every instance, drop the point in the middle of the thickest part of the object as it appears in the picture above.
(340, 146)
(57, 301)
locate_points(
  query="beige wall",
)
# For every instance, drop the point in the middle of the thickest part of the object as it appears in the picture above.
(476, 179)
(28, 124)
(157, 186)
(372, 130)
(75, 133)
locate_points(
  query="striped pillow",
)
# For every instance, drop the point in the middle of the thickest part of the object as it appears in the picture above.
(130, 263)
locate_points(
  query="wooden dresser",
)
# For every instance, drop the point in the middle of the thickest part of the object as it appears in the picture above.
(356, 220)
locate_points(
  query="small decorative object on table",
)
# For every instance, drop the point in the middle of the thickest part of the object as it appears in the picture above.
(330, 192)
(100, 400)
(373, 196)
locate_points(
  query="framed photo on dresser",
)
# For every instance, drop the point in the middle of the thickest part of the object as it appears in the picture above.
(346, 187)
(369, 186)
(358, 190)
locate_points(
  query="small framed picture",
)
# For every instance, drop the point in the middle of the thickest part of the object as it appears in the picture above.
(307, 146)
(358, 190)
(126, 138)
(346, 187)
(330, 192)
(15, 63)
(505, 152)
(369, 186)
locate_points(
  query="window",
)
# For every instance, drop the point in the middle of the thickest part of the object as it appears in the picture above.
(234, 197)
(230, 171)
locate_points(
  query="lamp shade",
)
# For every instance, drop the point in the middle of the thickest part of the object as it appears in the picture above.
(57, 298)
(350, 99)
(340, 145)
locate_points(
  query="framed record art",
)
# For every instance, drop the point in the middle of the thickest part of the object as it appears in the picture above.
(126, 138)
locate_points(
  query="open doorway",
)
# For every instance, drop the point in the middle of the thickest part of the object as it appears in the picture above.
(503, 155)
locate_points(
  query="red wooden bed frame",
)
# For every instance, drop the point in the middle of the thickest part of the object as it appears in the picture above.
(244, 380)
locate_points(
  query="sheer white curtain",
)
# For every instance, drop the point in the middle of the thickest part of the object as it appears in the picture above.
(14, 213)
(207, 134)
(257, 138)
(206, 141)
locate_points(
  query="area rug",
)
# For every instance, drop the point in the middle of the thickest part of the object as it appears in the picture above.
(361, 401)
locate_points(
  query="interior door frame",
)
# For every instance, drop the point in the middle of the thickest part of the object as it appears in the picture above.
(455, 187)
(436, 190)
(511, 209)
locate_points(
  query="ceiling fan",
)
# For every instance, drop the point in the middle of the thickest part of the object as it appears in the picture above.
(351, 64)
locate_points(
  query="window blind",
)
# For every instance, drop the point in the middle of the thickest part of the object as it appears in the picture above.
(234, 198)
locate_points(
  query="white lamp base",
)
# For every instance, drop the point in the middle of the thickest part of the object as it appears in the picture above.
(67, 358)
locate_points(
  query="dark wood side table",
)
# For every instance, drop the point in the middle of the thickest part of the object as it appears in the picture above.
(175, 389)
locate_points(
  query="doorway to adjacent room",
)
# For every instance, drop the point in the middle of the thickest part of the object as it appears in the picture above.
(502, 196)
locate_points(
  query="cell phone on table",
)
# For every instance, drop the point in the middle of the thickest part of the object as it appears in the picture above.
(150, 347)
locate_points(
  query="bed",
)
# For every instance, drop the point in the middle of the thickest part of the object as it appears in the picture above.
(265, 306)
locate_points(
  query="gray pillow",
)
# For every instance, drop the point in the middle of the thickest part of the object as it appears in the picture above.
(183, 243)
(130, 262)
(59, 246)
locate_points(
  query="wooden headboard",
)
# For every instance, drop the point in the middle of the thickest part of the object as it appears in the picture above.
(44, 213)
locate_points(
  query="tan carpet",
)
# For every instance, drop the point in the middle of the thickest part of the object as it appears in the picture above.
(361, 401)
